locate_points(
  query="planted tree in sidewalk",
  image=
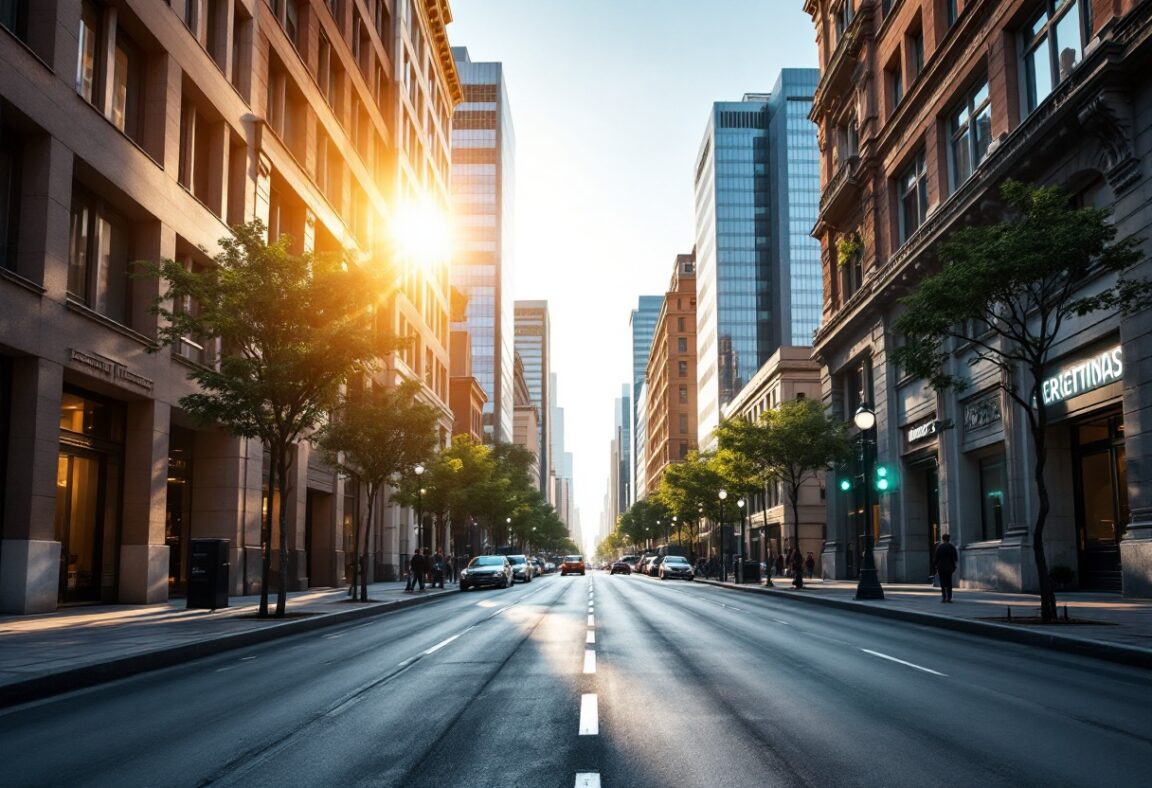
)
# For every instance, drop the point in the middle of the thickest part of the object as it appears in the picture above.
(1004, 294)
(375, 436)
(692, 486)
(789, 445)
(292, 329)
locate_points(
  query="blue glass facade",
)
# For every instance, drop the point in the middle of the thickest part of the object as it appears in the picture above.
(759, 283)
(483, 146)
(643, 322)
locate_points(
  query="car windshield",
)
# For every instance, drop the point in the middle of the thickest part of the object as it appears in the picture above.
(573, 559)
(516, 559)
(675, 559)
(487, 560)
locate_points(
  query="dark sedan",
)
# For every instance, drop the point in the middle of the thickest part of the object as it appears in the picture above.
(486, 570)
(621, 568)
(675, 566)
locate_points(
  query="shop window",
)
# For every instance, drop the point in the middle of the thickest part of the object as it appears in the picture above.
(993, 482)
(1053, 45)
(99, 250)
(969, 132)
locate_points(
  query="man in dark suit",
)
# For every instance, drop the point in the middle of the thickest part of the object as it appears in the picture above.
(946, 560)
(416, 568)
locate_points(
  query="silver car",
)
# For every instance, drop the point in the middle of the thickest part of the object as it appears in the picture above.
(486, 570)
(522, 568)
(675, 566)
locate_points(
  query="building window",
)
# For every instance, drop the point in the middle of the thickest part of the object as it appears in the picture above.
(679, 324)
(682, 344)
(683, 450)
(88, 43)
(992, 482)
(1053, 46)
(98, 255)
(292, 22)
(683, 394)
(682, 369)
(128, 88)
(14, 16)
(683, 423)
(324, 77)
(951, 11)
(970, 131)
(895, 78)
(11, 156)
(842, 16)
(912, 188)
(915, 53)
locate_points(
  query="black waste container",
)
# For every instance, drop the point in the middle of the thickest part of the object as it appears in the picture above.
(751, 572)
(208, 573)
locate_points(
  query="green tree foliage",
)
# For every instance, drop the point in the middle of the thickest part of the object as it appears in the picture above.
(788, 445)
(644, 521)
(376, 436)
(692, 487)
(1005, 291)
(292, 330)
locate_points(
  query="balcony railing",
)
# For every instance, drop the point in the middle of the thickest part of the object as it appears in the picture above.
(841, 197)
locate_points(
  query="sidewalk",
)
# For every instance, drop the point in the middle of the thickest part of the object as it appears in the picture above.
(72, 648)
(1104, 626)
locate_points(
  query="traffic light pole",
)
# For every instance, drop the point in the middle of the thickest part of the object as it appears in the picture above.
(868, 585)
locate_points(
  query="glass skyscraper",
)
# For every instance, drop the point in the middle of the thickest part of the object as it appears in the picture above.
(483, 145)
(758, 277)
(643, 322)
(532, 343)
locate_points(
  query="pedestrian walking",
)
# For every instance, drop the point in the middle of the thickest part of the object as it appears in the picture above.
(438, 570)
(810, 564)
(416, 571)
(946, 560)
(779, 564)
(450, 568)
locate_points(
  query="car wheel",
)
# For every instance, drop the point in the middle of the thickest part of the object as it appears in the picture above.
(563, 574)
(463, 588)
(581, 574)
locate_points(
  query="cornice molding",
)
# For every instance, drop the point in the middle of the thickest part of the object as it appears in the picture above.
(439, 15)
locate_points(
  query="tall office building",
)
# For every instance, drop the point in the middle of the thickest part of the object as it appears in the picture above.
(759, 280)
(643, 323)
(483, 145)
(532, 343)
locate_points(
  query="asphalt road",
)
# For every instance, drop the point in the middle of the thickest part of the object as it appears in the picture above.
(602, 680)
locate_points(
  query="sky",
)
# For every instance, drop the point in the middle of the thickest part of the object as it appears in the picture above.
(609, 100)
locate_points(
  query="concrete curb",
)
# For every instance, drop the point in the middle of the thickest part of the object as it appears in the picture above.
(1133, 656)
(85, 676)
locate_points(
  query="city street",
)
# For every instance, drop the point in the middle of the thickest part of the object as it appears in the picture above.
(609, 680)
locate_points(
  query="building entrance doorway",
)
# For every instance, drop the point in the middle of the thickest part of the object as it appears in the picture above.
(1101, 500)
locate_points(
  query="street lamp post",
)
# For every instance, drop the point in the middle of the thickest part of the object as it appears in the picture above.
(868, 585)
(419, 469)
(508, 523)
(720, 550)
(668, 534)
(740, 545)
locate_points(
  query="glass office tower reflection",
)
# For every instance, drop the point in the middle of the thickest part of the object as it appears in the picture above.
(483, 145)
(532, 342)
(758, 276)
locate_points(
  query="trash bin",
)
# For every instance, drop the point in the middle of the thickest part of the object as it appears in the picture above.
(208, 574)
(751, 572)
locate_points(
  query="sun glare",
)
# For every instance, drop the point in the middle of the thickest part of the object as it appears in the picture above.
(422, 233)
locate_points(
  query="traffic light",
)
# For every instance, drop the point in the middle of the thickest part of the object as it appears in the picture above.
(885, 478)
(845, 484)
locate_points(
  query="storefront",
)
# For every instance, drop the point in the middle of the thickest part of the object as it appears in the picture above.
(88, 496)
(921, 484)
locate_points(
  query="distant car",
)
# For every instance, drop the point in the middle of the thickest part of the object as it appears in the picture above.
(522, 569)
(620, 568)
(549, 567)
(540, 568)
(572, 564)
(675, 566)
(644, 563)
(654, 566)
(631, 560)
(486, 570)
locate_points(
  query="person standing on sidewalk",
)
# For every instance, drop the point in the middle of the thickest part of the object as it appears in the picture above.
(810, 564)
(438, 570)
(416, 571)
(946, 560)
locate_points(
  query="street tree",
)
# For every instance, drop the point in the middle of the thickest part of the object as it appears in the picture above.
(376, 436)
(789, 445)
(292, 329)
(691, 487)
(1004, 293)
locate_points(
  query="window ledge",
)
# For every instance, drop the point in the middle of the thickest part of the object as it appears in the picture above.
(91, 314)
(21, 281)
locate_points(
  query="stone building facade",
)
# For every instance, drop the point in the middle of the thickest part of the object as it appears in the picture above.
(141, 131)
(925, 108)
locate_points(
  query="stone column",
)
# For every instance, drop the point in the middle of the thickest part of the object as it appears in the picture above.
(226, 496)
(30, 554)
(297, 497)
(143, 551)
(1136, 546)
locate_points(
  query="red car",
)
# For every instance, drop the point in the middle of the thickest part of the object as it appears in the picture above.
(572, 564)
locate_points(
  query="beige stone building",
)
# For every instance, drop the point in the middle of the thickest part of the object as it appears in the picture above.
(140, 131)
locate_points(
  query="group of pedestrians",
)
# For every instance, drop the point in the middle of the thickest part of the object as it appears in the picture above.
(433, 568)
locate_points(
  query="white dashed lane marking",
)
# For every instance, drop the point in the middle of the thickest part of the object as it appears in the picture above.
(591, 621)
(589, 661)
(902, 662)
(589, 716)
(591, 637)
(587, 779)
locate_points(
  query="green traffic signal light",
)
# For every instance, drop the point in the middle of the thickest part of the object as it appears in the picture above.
(845, 485)
(885, 479)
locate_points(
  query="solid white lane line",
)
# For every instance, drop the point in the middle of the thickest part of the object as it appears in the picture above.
(591, 621)
(441, 644)
(589, 661)
(587, 779)
(589, 716)
(902, 662)
(591, 638)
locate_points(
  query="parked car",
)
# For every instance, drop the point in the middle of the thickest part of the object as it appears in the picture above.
(675, 566)
(522, 570)
(572, 564)
(644, 563)
(654, 565)
(631, 560)
(620, 567)
(486, 570)
(538, 563)
(549, 567)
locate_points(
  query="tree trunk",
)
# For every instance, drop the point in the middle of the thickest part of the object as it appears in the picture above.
(1047, 590)
(266, 537)
(372, 488)
(797, 559)
(354, 581)
(282, 578)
